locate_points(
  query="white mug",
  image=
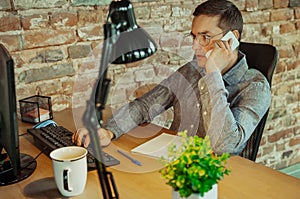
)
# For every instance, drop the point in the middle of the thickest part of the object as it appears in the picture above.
(70, 169)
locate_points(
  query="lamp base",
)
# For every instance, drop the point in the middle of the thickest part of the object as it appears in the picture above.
(28, 165)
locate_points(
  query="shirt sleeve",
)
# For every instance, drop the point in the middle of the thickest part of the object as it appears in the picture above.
(229, 125)
(141, 110)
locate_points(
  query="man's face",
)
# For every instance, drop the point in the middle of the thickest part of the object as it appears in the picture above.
(205, 25)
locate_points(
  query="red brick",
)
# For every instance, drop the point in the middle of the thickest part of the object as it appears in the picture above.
(67, 87)
(251, 31)
(33, 4)
(294, 141)
(25, 57)
(281, 3)
(291, 65)
(240, 4)
(268, 29)
(18, 62)
(12, 42)
(286, 51)
(90, 17)
(297, 12)
(279, 135)
(85, 66)
(287, 28)
(280, 67)
(142, 12)
(9, 23)
(64, 19)
(264, 4)
(268, 149)
(35, 21)
(251, 5)
(90, 33)
(160, 11)
(256, 17)
(48, 37)
(294, 160)
(284, 14)
(25, 91)
(79, 51)
(298, 25)
(82, 84)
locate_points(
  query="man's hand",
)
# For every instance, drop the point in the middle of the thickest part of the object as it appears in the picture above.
(221, 57)
(82, 138)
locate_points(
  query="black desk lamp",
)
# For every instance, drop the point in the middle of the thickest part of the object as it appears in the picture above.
(124, 42)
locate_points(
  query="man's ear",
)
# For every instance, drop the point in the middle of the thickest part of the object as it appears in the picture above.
(236, 34)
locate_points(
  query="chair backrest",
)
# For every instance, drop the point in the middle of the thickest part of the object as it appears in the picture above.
(262, 57)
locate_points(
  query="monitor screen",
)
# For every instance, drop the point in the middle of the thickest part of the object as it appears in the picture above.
(14, 166)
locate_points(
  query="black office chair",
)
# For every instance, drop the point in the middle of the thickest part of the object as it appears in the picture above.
(262, 57)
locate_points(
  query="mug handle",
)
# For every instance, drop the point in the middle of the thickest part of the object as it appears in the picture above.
(66, 180)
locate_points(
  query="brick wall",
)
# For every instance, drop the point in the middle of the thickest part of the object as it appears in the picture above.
(56, 46)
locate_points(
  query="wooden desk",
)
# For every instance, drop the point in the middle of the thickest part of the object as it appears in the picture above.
(247, 179)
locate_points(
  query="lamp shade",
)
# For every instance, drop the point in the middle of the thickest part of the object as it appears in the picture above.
(130, 43)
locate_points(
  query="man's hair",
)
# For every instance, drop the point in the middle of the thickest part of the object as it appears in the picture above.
(230, 16)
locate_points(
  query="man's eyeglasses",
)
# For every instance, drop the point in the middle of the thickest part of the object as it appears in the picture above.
(203, 39)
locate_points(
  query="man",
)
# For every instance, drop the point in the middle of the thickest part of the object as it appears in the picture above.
(215, 95)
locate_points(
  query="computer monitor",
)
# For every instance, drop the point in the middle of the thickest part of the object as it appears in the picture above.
(14, 166)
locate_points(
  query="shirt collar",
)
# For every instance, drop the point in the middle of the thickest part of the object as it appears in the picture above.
(234, 75)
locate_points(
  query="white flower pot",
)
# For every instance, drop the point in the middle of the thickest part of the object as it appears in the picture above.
(211, 194)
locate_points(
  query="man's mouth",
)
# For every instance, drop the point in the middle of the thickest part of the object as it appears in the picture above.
(200, 56)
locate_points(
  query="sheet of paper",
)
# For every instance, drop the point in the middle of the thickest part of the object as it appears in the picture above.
(158, 146)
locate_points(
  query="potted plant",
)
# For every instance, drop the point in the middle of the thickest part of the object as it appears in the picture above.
(192, 169)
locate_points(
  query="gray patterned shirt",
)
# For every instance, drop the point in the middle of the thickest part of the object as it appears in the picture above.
(226, 108)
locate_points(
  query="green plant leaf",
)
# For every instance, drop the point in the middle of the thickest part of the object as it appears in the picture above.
(193, 167)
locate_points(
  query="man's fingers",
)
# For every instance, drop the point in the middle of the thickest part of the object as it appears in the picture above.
(228, 44)
(220, 44)
(81, 137)
(78, 136)
(103, 137)
(75, 137)
(87, 141)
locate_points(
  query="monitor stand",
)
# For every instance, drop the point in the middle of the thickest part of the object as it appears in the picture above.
(28, 165)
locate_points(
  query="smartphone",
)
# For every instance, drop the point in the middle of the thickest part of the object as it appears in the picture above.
(229, 35)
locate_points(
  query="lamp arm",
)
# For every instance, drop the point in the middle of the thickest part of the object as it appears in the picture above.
(91, 118)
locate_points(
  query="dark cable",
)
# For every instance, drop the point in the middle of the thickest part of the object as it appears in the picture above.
(23, 134)
(34, 159)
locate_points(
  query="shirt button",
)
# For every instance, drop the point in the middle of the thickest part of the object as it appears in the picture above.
(204, 113)
(202, 87)
(192, 126)
(198, 105)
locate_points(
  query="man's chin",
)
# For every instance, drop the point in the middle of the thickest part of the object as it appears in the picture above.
(201, 63)
(201, 60)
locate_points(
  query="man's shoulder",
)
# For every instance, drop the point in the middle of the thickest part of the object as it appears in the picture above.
(256, 76)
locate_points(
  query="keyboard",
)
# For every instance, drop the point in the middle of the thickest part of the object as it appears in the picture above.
(52, 137)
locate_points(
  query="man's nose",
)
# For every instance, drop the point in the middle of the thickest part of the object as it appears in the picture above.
(197, 47)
